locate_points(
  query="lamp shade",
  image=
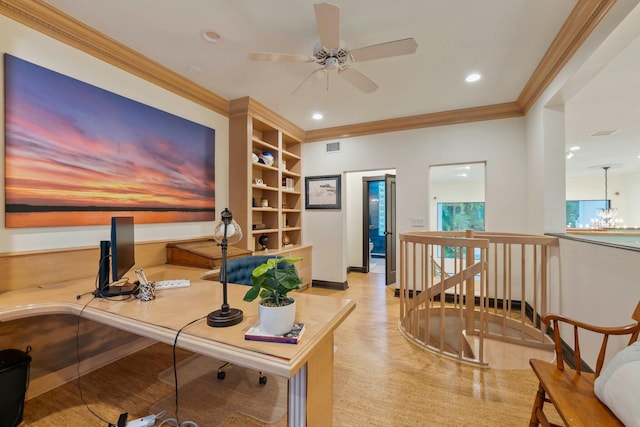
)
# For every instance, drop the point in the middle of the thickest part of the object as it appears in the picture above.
(234, 232)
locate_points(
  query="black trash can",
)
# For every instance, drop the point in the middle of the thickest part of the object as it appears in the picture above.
(14, 380)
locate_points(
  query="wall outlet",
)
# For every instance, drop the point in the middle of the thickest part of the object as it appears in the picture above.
(417, 221)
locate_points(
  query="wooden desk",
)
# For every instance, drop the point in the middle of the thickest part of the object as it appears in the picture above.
(308, 365)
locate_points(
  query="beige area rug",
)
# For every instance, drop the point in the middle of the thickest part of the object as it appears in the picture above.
(204, 399)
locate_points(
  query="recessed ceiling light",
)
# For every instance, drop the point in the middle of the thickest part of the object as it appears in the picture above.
(473, 77)
(574, 148)
(194, 69)
(210, 36)
(569, 155)
(463, 175)
(317, 116)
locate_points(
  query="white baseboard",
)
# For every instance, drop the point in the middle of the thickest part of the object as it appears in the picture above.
(58, 378)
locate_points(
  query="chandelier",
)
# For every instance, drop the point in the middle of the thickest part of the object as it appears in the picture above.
(606, 217)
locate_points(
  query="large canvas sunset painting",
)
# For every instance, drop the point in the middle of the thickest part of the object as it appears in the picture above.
(76, 154)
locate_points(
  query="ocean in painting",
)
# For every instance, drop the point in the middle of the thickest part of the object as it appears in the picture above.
(51, 219)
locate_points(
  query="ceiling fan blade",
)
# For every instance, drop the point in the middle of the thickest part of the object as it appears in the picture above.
(384, 50)
(328, 21)
(266, 56)
(308, 83)
(358, 79)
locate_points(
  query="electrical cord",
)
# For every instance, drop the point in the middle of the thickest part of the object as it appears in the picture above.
(97, 285)
(79, 318)
(78, 364)
(175, 379)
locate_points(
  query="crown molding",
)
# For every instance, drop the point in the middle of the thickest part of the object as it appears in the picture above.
(466, 115)
(584, 17)
(248, 105)
(50, 21)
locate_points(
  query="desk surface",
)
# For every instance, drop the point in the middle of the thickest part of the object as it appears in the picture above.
(172, 309)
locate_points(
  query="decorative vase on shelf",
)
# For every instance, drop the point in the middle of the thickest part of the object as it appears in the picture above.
(285, 239)
(267, 158)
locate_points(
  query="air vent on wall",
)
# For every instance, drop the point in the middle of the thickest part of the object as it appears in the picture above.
(333, 147)
(604, 132)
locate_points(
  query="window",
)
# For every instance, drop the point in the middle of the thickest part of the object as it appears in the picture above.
(580, 212)
(461, 216)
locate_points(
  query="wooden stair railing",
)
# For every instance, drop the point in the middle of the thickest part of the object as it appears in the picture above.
(454, 285)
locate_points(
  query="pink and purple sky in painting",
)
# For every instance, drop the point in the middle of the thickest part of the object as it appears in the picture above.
(72, 144)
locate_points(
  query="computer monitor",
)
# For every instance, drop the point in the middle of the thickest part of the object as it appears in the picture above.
(122, 246)
(120, 250)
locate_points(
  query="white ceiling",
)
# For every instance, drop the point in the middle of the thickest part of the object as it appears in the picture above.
(503, 40)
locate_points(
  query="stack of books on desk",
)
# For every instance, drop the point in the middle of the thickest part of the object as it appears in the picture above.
(255, 333)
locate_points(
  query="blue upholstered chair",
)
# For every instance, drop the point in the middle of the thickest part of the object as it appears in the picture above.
(239, 272)
(239, 269)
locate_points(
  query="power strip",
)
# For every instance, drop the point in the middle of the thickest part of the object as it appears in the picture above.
(148, 421)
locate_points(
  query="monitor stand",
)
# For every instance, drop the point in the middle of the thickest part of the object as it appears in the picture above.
(116, 290)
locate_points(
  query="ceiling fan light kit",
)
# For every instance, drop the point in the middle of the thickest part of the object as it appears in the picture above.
(330, 56)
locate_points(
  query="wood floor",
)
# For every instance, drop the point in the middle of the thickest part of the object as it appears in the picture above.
(380, 379)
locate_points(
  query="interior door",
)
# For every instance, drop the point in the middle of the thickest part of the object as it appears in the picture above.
(390, 229)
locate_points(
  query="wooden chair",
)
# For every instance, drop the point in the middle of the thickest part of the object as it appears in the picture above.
(571, 390)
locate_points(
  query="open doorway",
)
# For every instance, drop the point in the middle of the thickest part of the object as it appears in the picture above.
(379, 226)
(357, 220)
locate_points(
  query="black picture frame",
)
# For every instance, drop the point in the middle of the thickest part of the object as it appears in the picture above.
(322, 192)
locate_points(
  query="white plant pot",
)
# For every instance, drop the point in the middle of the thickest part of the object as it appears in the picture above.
(277, 320)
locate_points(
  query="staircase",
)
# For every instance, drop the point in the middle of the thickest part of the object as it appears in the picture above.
(458, 290)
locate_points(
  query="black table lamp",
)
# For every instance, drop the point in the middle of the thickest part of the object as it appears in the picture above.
(227, 231)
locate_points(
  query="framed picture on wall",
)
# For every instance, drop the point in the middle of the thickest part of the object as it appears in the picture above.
(322, 192)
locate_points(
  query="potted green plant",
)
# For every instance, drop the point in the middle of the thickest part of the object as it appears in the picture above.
(272, 283)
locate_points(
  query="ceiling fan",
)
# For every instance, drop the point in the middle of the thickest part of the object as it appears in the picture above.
(331, 56)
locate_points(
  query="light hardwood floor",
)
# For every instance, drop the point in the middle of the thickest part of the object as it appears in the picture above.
(381, 379)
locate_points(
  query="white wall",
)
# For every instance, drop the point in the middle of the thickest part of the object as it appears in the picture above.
(600, 285)
(499, 143)
(22, 42)
(631, 193)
